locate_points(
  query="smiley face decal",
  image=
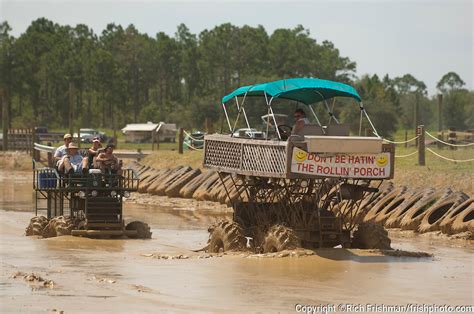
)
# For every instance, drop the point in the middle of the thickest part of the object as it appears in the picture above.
(382, 160)
(300, 155)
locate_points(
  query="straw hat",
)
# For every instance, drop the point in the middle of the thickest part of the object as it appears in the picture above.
(72, 146)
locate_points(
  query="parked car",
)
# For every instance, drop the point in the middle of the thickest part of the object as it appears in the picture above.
(41, 130)
(87, 135)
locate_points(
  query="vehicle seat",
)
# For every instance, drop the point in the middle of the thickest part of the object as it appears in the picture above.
(338, 130)
(311, 129)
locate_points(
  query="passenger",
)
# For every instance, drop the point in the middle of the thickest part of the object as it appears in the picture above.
(93, 152)
(61, 151)
(73, 162)
(107, 162)
(300, 121)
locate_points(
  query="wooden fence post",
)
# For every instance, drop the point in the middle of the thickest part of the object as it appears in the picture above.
(452, 137)
(406, 138)
(139, 150)
(421, 145)
(153, 139)
(180, 140)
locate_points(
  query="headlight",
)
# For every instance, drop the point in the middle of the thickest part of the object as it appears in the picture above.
(81, 194)
(126, 194)
(95, 183)
(94, 193)
(113, 193)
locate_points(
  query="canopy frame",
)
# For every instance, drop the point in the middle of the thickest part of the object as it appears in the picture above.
(269, 100)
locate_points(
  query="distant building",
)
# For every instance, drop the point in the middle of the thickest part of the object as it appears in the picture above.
(143, 132)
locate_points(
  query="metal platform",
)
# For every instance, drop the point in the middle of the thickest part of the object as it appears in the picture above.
(276, 159)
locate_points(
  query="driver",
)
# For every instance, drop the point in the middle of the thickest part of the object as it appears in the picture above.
(300, 121)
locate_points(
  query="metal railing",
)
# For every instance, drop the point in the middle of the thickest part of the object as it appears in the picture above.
(49, 179)
(119, 154)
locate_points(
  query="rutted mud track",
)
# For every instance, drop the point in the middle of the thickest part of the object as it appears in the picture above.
(130, 275)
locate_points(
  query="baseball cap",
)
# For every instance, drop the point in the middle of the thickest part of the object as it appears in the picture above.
(67, 135)
(72, 145)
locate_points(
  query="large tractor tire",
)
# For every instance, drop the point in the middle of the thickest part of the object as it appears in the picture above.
(174, 188)
(386, 204)
(446, 224)
(226, 236)
(413, 217)
(371, 200)
(143, 230)
(36, 226)
(436, 214)
(370, 235)
(58, 226)
(464, 222)
(395, 218)
(188, 190)
(280, 238)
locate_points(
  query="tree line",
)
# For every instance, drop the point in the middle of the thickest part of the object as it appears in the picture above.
(53, 74)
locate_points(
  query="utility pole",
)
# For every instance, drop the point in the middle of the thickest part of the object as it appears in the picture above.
(440, 112)
(5, 122)
(415, 118)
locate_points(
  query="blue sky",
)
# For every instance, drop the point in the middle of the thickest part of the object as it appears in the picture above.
(424, 38)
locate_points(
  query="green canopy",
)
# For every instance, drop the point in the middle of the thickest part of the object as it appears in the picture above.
(304, 90)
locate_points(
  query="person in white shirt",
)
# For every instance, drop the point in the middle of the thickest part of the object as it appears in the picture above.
(73, 161)
(61, 151)
(300, 120)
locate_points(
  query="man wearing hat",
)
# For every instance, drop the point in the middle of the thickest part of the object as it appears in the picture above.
(62, 150)
(73, 161)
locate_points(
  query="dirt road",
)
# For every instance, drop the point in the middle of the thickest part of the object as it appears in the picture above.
(120, 275)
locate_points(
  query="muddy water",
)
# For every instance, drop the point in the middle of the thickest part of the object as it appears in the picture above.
(118, 275)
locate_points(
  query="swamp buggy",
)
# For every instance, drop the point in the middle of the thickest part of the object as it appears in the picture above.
(88, 205)
(297, 190)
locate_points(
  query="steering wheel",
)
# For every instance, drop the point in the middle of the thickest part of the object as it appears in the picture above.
(285, 131)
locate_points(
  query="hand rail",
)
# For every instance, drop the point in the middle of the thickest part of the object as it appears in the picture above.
(126, 154)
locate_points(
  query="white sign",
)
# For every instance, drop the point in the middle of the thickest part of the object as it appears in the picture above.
(357, 166)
